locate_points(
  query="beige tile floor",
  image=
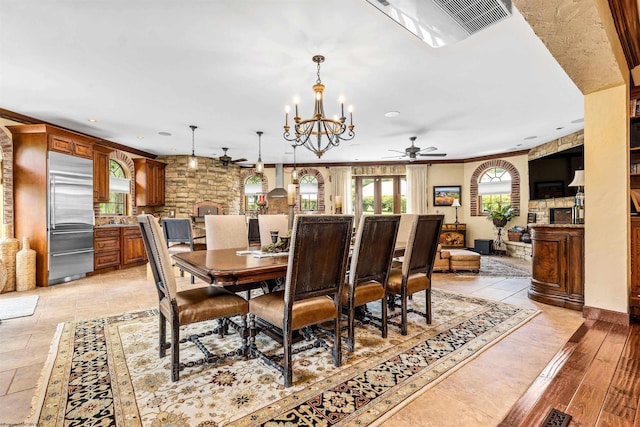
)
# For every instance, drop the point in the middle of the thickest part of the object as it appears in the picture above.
(478, 394)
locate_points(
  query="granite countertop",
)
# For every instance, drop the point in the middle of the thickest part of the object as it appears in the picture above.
(116, 225)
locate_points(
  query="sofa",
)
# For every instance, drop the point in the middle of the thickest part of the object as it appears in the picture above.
(442, 260)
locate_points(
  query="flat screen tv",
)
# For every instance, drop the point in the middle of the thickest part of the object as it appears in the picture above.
(550, 176)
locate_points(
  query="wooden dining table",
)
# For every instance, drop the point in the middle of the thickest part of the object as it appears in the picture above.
(233, 269)
(238, 269)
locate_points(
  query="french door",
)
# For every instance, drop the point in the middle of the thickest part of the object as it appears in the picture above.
(379, 195)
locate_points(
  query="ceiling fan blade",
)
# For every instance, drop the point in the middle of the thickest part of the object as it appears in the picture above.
(433, 154)
(397, 151)
(427, 150)
(239, 160)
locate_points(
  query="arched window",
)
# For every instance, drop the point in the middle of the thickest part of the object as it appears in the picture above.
(494, 188)
(119, 189)
(308, 193)
(252, 192)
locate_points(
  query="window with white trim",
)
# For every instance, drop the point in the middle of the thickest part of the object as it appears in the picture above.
(119, 190)
(308, 193)
(494, 188)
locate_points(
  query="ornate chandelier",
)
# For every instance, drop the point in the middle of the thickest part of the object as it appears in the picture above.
(309, 132)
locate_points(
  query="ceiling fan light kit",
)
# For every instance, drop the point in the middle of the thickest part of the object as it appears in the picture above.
(309, 132)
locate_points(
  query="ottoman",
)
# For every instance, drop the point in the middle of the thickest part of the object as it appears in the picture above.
(462, 259)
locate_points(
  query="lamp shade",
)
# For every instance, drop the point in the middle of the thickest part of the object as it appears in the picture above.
(578, 179)
(456, 203)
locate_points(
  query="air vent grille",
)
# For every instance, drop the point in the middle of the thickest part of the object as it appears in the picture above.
(475, 15)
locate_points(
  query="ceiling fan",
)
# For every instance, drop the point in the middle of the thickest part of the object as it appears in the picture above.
(226, 160)
(413, 152)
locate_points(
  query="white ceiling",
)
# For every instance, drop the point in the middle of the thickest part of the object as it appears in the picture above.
(230, 66)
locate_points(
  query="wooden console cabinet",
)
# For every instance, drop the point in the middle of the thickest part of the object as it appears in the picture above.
(557, 266)
(453, 236)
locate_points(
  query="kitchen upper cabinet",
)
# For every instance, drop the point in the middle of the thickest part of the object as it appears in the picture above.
(149, 182)
(71, 145)
(101, 174)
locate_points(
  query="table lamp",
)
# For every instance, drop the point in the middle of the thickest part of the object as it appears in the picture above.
(456, 204)
(578, 207)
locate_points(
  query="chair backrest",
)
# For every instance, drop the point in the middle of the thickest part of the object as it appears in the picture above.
(177, 230)
(269, 223)
(420, 252)
(158, 254)
(226, 231)
(318, 256)
(373, 249)
(406, 222)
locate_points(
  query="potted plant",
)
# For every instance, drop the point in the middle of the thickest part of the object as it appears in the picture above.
(501, 215)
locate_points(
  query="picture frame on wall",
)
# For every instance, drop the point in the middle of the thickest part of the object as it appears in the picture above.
(444, 195)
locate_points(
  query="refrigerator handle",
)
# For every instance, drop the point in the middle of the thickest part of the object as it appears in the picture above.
(52, 210)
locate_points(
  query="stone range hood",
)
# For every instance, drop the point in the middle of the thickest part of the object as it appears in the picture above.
(279, 192)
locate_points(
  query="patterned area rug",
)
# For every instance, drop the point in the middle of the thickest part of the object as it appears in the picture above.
(106, 372)
(495, 267)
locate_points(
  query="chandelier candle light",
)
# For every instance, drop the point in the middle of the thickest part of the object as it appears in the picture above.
(309, 132)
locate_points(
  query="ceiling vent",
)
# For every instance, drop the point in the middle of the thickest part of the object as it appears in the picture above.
(442, 22)
(475, 15)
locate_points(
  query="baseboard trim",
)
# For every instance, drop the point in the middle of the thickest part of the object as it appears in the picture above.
(605, 315)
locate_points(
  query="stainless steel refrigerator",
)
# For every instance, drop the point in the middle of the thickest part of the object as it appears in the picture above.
(70, 217)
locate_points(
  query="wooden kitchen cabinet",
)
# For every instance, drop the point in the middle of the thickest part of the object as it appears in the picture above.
(101, 174)
(106, 248)
(149, 175)
(70, 145)
(132, 247)
(118, 247)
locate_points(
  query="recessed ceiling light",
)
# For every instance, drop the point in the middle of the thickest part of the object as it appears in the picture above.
(93, 120)
(164, 133)
(518, 145)
(392, 114)
(531, 137)
(140, 137)
(578, 120)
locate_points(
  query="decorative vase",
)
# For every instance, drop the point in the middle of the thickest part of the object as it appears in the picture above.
(25, 267)
(9, 247)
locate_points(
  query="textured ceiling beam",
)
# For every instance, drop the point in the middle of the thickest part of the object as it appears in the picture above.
(577, 33)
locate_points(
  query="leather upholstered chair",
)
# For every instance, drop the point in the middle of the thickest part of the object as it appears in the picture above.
(318, 257)
(442, 260)
(177, 235)
(189, 306)
(226, 231)
(415, 273)
(369, 271)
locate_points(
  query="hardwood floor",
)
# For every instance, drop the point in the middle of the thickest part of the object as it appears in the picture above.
(595, 378)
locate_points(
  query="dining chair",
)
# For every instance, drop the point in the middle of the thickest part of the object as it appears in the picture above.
(415, 273)
(269, 223)
(190, 306)
(316, 270)
(369, 270)
(178, 236)
(226, 231)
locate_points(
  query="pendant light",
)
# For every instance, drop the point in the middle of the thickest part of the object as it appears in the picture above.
(294, 172)
(193, 160)
(259, 165)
